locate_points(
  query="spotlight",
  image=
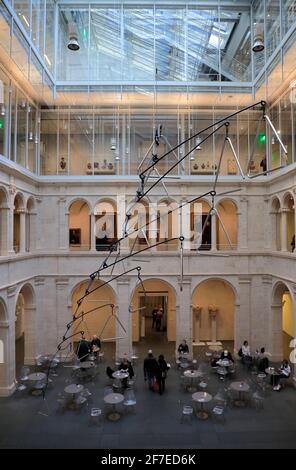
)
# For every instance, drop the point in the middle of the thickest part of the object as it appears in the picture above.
(30, 135)
(192, 158)
(197, 143)
(258, 39)
(73, 44)
(113, 143)
(3, 110)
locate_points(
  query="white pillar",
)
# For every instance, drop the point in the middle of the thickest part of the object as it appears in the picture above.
(33, 231)
(242, 216)
(22, 231)
(185, 224)
(213, 315)
(152, 229)
(184, 314)
(197, 311)
(284, 224)
(213, 232)
(243, 317)
(124, 341)
(121, 213)
(63, 225)
(63, 313)
(4, 227)
(92, 232)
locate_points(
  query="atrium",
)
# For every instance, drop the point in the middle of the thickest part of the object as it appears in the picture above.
(147, 208)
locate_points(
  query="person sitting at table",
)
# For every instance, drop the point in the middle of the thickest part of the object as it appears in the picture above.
(226, 355)
(183, 347)
(151, 369)
(284, 373)
(83, 349)
(95, 345)
(262, 361)
(246, 353)
(126, 366)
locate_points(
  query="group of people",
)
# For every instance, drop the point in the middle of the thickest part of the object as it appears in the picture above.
(261, 361)
(157, 317)
(124, 366)
(86, 347)
(155, 372)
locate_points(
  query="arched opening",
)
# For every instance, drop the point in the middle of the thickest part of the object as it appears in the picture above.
(18, 216)
(276, 224)
(105, 224)
(154, 294)
(226, 225)
(167, 225)
(30, 228)
(283, 330)
(213, 304)
(290, 211)
(139, 221)
(3, 222)
(79, 226)
(200, 226)
(100, 321)
(25, 335)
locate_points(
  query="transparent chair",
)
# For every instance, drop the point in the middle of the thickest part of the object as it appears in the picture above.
(95, 416)
(129, 400)
(186, 413)
(20, 390)
(257, 401)
(25, 371)
(218, 413)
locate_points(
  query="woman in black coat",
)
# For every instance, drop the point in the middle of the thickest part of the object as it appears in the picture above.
(162, 373)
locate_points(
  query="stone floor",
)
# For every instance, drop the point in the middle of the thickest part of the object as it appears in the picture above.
(31, 422)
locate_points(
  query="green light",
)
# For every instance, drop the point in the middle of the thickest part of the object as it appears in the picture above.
(84, 33)
(1, 125)
(262, 138)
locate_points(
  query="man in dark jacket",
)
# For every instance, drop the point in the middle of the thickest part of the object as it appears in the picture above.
(83, 349)
(151, 369)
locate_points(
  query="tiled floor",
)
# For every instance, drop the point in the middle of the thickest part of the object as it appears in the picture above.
(30, 422)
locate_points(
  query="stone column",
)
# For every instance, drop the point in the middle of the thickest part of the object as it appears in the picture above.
(124, 338)
(184, 314)
(92, 232)
(213, 314)
(121, 213)
(243, 315)
(22, 231)
(284, 223)
(4, 227)
(152, 229)
(242, 216)
(32, 231)
(63, 315)
(214, 232)
(6, 359)
(31, 333)
(63, 225)
(8, 383)
(185, 224)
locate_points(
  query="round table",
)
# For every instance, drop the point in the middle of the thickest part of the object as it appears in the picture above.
(215, 348)
(192, 374)
(36, 376)
(240, 387)
(114, 399)
(87, 365)
(73, 389)
(120, 375)
(202, 397)
(273, 373)
(224, 363)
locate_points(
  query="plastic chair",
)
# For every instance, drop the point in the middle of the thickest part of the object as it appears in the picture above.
(258, 401)
(96, 416)
(25, 371)
(218, 413)
(187, 413)
(20, 389)
(129, 400)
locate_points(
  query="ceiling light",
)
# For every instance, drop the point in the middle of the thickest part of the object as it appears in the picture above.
(30, 135)
(3, 110)
(258, 45)
(47, 59)
(197, 143)
(113, 143)
(73, 44)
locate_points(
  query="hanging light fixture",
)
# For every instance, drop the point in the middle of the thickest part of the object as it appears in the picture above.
(73, 43)
(258, 45)
(197, 143)
(30, 135)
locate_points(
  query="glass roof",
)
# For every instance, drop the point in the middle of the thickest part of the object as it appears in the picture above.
(158, 43)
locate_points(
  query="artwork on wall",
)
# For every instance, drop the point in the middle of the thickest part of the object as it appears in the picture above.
(75, 236)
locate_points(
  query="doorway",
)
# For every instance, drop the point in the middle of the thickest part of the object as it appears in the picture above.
(148, 302)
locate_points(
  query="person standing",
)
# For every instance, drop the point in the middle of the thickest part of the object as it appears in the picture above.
(159, 316)
(293, 244)
(162, 373)
(151, 369)
(154, 314)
